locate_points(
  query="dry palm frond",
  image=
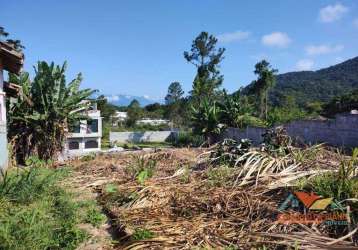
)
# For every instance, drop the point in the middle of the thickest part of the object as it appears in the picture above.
(286, 179)
(308, 239)
(260, 165)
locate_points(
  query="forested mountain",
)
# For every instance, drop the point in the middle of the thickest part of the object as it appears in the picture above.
(321, 85)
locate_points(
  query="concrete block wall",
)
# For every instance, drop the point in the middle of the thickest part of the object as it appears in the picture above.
(148, 136)
(340, 132)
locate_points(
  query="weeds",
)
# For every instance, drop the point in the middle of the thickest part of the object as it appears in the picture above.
(340, 185)
(306, 155)
(89, 157)
(35, 213)
(95, 217)
(219, 176)
(34, 161)
(141, 169)
(185, 176)
(142, 234)
(113, 197)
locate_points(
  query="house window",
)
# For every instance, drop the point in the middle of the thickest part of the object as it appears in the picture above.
(75, 127)
(91, 144)
(92, 126)
(73, 145)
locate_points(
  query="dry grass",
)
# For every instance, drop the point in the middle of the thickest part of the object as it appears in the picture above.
(179, 208)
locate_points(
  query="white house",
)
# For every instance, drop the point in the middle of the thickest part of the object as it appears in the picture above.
(118, 117)
(85, 137)
(11, 61)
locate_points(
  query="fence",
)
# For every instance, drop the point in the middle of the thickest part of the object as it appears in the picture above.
(340, 132)
(148, 136)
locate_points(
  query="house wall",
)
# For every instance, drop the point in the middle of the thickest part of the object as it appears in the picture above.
(84, 136)
(340, 132)
(3, 137)
(82, 150)
(148, 136)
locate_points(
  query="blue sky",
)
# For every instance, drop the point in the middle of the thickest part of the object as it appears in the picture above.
(136, 47)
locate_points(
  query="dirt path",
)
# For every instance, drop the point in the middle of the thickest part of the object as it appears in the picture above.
(83, 187)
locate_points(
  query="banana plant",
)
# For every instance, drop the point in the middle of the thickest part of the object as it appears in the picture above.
(206, 119)
(238, 112)
(39, 118)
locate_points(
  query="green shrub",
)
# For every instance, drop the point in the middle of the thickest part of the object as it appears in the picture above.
(229, 151)
(185, 139)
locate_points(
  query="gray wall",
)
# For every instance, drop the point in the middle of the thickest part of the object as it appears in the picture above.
(148, 136)
(341, 131)
(3, 146)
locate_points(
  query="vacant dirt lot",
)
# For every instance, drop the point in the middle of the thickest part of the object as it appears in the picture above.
(178, 199)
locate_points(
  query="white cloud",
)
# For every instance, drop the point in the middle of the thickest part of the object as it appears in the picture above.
(233, 36)
(332, 13)
(304, 64)
(312, 50)
(339, 59)
(276, 39)
(355, 23)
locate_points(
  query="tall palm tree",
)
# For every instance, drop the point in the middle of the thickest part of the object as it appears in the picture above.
(266, 80)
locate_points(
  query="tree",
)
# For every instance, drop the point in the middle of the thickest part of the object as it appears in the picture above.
(206, 58)
(174, 102)
(288, 111)
(107, 109)
(340, 104)
(175, 93)
(15, 43)
(40, 117)
(263, 84)
(134, 113)
(155, 110)
(3, 33)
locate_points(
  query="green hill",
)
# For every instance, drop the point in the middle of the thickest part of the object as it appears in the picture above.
(321, 85)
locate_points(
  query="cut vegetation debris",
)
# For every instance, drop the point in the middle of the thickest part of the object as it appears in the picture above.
(225, 198)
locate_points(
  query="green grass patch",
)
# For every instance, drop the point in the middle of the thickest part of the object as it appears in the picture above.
(36, 212)
(95, 217)
(142, 234)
